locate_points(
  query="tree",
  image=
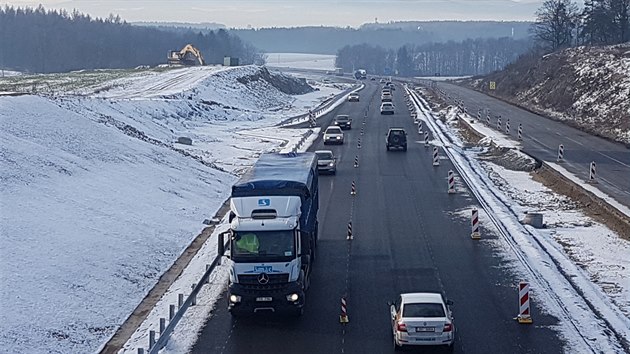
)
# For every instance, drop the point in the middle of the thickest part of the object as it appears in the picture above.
(605, 22)
(404, 62)
(556, 24)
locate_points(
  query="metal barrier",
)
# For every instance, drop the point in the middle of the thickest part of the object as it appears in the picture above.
(174, 316)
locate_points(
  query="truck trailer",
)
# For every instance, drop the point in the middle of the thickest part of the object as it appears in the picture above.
(270, 246)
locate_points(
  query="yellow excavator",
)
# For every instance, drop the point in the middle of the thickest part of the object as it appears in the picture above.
(189, 56)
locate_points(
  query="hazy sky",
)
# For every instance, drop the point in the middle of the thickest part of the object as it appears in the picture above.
(267, 13)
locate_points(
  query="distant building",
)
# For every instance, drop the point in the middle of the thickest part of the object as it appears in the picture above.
(230, 61)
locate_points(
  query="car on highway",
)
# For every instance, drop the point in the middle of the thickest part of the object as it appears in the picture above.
(372, 79)
(382, 81)
(396, 139)
(343, 121)
(386, 97)
(333, 135)
(326, 162)
(422, 319)
(387, 108)
(353, 97)
(386, 90)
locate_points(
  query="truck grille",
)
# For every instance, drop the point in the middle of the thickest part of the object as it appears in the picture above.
(252, 279)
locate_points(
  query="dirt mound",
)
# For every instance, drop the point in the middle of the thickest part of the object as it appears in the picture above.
(287, 84)
(586, 87)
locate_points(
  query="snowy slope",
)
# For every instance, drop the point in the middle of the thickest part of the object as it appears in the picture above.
(97, 200)
(587, 87)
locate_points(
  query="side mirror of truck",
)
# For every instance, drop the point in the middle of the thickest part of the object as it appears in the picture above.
(221, 245)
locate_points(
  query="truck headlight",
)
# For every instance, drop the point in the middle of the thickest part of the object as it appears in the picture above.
(235, 298)
(293, 297)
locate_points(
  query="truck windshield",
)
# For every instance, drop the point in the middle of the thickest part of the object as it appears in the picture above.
(269, 246)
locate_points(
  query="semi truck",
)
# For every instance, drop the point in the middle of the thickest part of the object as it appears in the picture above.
(360, 74)
(270, 245)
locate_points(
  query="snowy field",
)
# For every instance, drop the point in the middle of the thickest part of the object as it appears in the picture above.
(301, 61)
(97, 199)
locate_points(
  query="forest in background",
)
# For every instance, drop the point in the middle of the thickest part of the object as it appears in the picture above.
(468, 57)
(328, 40)
(44, 41)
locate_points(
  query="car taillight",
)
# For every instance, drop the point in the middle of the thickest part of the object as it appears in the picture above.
(448, 327)
(401, 327)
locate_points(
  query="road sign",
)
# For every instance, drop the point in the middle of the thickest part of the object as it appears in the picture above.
(493, 85)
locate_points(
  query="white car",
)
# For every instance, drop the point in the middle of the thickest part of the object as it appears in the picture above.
(333, 135)
(386, 97)
(422, 319)
(387, 108)
(326, 162)
(353, 97)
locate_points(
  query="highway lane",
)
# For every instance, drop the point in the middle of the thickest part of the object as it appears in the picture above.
(406, 239)
(542, 136)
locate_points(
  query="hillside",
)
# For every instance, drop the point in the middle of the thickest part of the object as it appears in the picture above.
(586, 87)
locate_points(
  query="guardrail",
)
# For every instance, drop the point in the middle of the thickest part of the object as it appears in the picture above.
(176, 312)
(319, 111)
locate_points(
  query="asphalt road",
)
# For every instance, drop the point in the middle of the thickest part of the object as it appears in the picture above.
(542, 136)
(406, 239)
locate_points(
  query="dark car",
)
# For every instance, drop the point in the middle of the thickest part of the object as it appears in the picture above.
(343, 122)
(396, 139)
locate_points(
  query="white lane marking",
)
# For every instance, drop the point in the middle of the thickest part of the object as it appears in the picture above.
(575, 141)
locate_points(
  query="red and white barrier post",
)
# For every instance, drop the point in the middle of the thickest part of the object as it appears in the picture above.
(353, 191)
(474, 221)
(426, 139)
(520, 132)
(479, 115)
(498, 122)
(349, 236)
(343, 317)
(524, 315)
(592, 173)
(436, 161)
(507, 126)
(419, 127)
(451, 182)
(356, 161)
(488, 118)
(560, 153)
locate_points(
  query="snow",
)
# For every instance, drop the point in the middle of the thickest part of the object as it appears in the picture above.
(587, 312)
(301, 61)
(8, 73)
(97, 200)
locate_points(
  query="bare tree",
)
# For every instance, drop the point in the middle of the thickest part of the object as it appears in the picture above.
(556, 23)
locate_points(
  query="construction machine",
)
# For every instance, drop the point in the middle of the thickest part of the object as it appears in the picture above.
(189, 56)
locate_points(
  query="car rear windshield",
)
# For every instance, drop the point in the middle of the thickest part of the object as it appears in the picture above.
(423, 310)
(324, 155)
(342, 118)
(333, 130)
